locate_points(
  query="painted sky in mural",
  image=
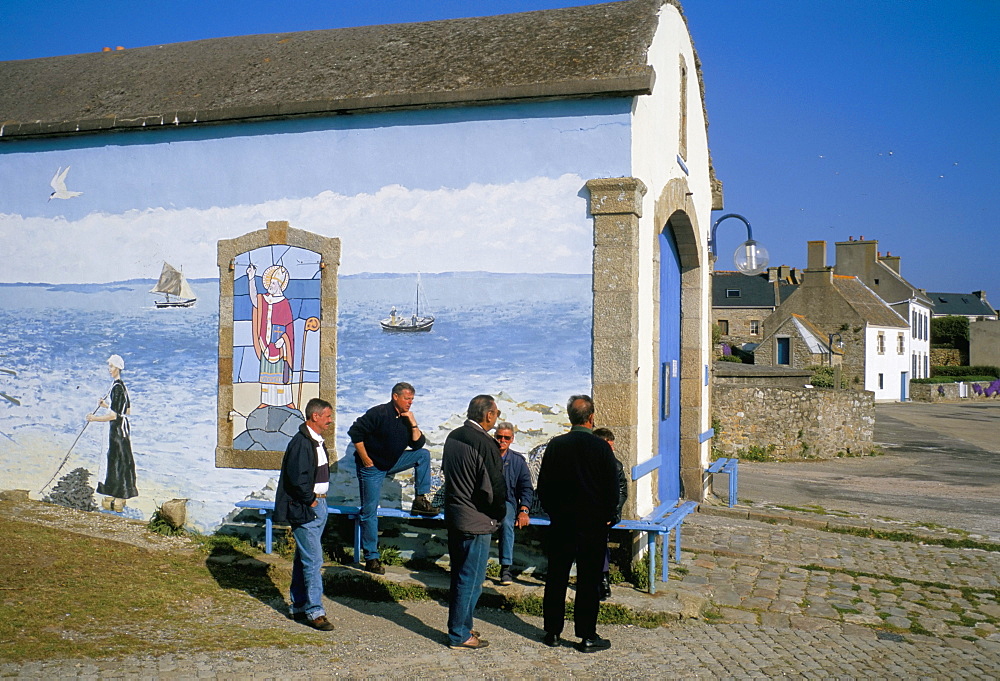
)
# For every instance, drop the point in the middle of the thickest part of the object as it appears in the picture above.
(152, 197)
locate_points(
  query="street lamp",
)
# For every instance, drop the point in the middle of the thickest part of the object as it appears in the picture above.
(750, 257)
(840, 343)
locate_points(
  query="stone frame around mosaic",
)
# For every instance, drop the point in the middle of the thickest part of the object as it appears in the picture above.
(276, 233)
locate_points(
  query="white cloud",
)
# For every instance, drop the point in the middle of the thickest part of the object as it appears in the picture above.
(539, 225)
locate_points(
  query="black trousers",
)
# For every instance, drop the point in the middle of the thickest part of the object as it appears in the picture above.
(566, 544)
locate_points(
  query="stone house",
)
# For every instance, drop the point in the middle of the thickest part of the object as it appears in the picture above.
(740, 304)
(862, 259)
(549, 170)
(874, 339)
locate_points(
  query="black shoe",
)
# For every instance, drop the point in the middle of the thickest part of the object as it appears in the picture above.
(321, 623)
(552, 640)
(506, 579)
(374, 566)
(605, 587)
(421, 506)
(593, 644)
(298, 616)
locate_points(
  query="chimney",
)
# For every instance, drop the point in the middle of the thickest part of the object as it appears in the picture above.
(890, 261)
(772, 274)
(816, 255)
(980, 294)
(783, 272)
(817, 273)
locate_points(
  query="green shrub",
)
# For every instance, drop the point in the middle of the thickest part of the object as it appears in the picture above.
(823, 376)
(730, 358)
(990, 371)
(952, 379)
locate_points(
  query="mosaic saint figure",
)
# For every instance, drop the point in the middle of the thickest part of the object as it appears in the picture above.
(274, 335)
(119, 480)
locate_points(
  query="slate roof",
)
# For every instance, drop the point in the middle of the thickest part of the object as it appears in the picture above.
(866, 303)
(597, 50)
(754, 291)
(965, 304)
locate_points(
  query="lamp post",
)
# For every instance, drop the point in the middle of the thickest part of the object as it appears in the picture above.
(840, 342)
(750, 257)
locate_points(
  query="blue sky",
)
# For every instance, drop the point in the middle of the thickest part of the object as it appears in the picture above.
(827, 120)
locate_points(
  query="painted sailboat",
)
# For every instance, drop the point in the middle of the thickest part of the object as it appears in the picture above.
(173, 283)
(397, 323)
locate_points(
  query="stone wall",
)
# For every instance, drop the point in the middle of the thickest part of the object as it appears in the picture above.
(946, 357)
(792, 423)
(941, 392)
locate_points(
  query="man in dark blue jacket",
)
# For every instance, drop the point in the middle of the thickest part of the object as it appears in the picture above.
(386, 440)
(300, 501)
(578, 488)
(520, 494)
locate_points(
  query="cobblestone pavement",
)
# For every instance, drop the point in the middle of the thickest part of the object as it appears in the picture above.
(778, 600)
(786, 576)
(374, 646)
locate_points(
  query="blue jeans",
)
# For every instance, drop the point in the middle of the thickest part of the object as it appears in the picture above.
(370, 484)
(307, 576)
(506, 537)
(469, 554)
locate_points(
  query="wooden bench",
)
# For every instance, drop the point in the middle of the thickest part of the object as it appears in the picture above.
(731, 468)
(659, 523)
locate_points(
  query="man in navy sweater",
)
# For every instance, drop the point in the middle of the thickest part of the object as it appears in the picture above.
(387, 440)
(520, 495)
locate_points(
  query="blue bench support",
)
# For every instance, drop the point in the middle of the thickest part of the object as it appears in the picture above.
(731, 468)
(660, 522)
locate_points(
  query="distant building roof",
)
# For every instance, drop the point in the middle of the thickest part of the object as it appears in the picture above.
(733, 289)
(591, 51)
(963, 304)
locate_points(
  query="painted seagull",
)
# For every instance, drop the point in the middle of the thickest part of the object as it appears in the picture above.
(58, 183)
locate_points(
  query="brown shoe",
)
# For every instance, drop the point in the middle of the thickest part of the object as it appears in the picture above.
(374, 566)
(421, 506)
(472, 643)
(321, 623)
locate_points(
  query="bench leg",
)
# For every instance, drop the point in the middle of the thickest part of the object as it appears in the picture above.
(677, 544)
(357, 540)
(733, 485)
(268, 530)
(665, 572)
(651, 553)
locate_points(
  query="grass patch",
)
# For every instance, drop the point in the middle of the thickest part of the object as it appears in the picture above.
(125, 599)
(963, 543)
(758, 453)
(846, 611)
(968, 593)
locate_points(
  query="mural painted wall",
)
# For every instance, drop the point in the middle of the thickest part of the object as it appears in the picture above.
(487, 205)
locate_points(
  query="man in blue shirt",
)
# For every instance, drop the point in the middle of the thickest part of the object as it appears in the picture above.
(387, 440)
(520, 494)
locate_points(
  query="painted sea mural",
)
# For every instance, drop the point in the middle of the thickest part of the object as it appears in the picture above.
(494, 222)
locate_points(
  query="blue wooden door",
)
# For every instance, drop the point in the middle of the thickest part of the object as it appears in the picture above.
(670, 354)
(785, 351)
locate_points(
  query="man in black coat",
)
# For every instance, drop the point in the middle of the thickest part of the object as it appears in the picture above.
(578, 488)
(300, 501)
(475, 503)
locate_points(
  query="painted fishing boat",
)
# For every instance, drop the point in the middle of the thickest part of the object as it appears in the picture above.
(173, 283)
(397, 323)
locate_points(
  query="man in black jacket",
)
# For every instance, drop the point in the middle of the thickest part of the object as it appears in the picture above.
(578, 488)
(300, 501)
(475, 503)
